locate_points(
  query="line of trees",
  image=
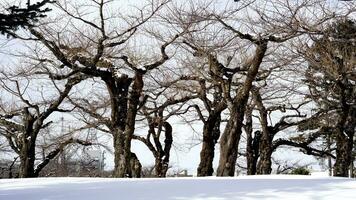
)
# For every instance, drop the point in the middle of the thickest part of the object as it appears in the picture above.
(255, 75)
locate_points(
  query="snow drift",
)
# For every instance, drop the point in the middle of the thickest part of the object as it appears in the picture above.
(212, 188)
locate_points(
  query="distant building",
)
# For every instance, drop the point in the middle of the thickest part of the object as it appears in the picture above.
(183, 173)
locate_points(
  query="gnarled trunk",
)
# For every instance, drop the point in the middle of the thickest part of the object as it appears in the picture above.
(122, 167)
(211, 134)
(344, 147)
(27, 160)
(232, 133)
(163, 155)
(118, 90)
(161, 167)
(252, 152)
(252, 144)
(135, 166)
(264, 165)
(124, 105)
(345, 132)
(229, 142)
(126, 163)
(27, 145)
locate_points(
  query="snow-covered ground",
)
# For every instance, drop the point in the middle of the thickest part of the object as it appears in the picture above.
(244, 188)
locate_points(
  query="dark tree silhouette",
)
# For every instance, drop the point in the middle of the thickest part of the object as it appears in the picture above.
(15, 17)
(331, 81)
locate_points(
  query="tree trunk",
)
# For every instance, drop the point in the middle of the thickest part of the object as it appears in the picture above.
(343, 156)
(264, 165)
(229, 142)
(251, 169)
(123, 114)
(158, 167)
(163, 155)
(352, 168)
(27, 145)
(167, 147)
(121, 168)
(345, 131)
(27, 159)
(135, 166)
(252, 144)
(328, 143)
(211, 134)
(161, 168)
(230, 139)
(252, 152)
(344, 147)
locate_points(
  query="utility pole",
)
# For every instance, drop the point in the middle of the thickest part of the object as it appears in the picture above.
(63, 156)
(102, 163)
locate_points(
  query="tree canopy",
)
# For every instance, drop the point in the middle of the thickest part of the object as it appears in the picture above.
(15, 17)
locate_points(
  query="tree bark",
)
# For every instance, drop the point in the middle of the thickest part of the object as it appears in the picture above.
(27, 144)
(264, 165)
(211, 134)
(251, 168)
(344, 145)
(124, 107)
(160, 153)
(343, 156)
(232, 133)
(252, 144)
(118, 90)
(167, 147)
(135, 166)
(120, 169)
(163, 155)
(229, 142)
(27, 160)
(345, 131)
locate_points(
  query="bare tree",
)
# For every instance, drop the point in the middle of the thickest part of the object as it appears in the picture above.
(268, 132)
(161, 152)
(132, 67)
(162, 102)
(230, 82)
(110, 60)
(22, 123)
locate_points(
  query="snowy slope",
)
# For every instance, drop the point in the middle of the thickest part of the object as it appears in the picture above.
(244, 188)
